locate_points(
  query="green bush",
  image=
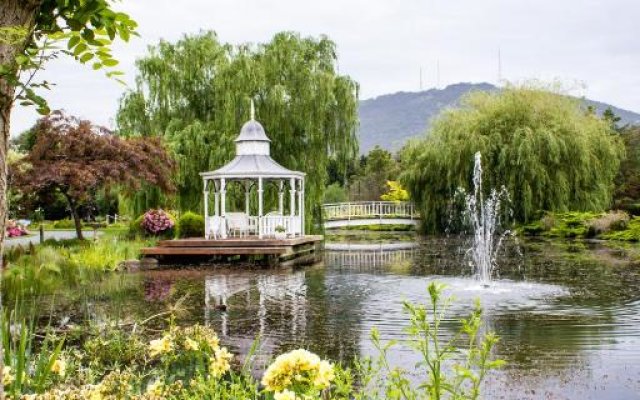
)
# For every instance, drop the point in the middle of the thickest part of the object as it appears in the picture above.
(135, 227)
(64, 224)
(631, 233)
(190, 225)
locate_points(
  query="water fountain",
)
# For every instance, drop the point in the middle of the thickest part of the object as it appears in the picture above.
(484, 217)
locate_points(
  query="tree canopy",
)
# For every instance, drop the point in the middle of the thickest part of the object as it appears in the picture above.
(374, 170)
(76, 159)
(627, 194)
(541, 146)
(196, 93)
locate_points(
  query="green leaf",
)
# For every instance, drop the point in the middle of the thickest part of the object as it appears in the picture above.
(124, 34)
(21, 59)
(86, 57)
(96, 65)
(88, 34)
(110, 62)
(73, 42)
(80, 48)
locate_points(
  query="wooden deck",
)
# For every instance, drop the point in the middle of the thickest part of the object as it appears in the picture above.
(294, 251)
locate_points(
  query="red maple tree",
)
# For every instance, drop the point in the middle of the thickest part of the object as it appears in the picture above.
(76, 158)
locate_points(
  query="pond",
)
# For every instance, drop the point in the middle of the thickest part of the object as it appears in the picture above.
(567, 313)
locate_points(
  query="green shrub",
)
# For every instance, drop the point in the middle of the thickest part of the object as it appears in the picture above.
(631, 233)
(190, 225)
(64, 224)
(135, 227)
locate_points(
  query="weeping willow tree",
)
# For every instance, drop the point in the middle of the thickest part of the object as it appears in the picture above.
(196, 93)
(540, 145)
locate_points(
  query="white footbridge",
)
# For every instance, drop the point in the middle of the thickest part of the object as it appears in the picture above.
(360, 213)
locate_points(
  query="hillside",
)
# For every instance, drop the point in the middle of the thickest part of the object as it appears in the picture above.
(391, 119)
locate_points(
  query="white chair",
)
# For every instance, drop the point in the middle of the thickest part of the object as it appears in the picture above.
(215, 227)
(237, 223)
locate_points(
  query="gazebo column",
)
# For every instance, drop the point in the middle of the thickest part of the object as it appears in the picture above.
(216, 199)
(206, 209)
(292, 203)
(301, 205)
(281, 197)
(223, 207)
(260, 207)
(247, 191)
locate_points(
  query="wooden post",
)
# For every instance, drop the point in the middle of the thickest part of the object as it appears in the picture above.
(41, 233)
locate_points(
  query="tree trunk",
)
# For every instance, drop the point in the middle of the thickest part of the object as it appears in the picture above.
(73, 206)
(13, 13)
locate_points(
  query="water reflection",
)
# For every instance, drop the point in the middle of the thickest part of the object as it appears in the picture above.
(283, 294)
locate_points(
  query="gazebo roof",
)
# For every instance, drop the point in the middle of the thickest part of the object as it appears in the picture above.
(252, 166)
(252, 158)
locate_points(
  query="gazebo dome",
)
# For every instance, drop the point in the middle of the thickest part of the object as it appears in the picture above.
(253, 157)
(252, 140)
(252, 130)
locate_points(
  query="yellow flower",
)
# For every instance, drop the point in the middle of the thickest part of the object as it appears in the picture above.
(59, 367)
(219, 364)
(7, 376)
(324, 376)
(284, 395)
(155, 388)
(214, 342)
(160, 346)
(191, 344)
(298, 365)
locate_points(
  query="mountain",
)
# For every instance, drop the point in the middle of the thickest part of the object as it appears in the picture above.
(389, 120)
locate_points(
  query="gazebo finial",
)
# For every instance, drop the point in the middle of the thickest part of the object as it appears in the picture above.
(253, 111)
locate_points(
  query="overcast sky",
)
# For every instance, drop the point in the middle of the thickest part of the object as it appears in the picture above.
(592, 46)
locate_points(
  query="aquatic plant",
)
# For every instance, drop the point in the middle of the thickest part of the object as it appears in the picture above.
(29, 368)
(65, 263)
(612, 225)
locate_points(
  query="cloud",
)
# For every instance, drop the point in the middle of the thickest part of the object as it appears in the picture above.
(383, 44)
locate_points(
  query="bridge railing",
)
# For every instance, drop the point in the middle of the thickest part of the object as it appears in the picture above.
(369, 209)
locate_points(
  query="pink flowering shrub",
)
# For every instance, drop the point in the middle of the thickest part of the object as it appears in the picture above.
(15, 230)
(157, 222)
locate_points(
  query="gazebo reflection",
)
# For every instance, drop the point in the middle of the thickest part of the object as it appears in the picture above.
(283, 293)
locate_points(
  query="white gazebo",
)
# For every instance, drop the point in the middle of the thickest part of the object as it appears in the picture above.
(254, 167)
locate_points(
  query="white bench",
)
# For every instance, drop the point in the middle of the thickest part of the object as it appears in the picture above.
(237, 223)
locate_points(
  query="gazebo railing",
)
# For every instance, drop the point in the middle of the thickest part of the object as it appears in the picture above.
(221, 227)
(291, 224)
(369, 209)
